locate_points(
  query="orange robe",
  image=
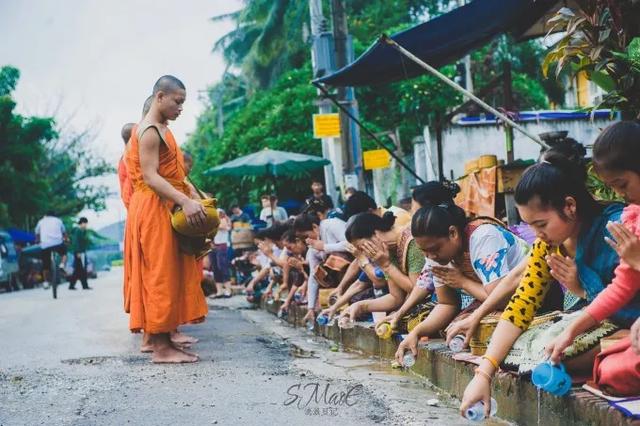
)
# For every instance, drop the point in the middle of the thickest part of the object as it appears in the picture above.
(163, 285)
(126, 189)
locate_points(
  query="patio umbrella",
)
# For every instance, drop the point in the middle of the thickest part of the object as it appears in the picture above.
(269, 163)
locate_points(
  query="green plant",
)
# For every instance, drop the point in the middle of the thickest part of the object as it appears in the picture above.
(600, 39)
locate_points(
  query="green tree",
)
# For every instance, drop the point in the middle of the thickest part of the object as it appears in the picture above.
(602, 39)
(267, 41)
(277, 118)
(275, 108)
(41, 169)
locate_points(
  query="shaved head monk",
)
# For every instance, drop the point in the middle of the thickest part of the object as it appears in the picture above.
(164, 284)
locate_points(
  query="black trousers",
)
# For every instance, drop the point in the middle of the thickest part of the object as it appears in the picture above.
(79, 270)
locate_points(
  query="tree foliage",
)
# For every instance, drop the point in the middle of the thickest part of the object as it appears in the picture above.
(602, 39)
(269, 102)
(42, 168)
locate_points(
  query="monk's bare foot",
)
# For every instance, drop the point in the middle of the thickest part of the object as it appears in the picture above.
(145, 349)
(147, 344)
(184, 349)
(181, 338)
(170, 355)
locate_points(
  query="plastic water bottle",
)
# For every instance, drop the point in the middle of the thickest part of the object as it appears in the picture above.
(310, 325)
(322, 320)
(384, 331)
(282, 314)
(270, 301)
(457, 343)
(408, 360)
(475, 413)
(346, 323)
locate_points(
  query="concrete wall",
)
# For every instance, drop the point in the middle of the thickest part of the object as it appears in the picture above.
(463, 143)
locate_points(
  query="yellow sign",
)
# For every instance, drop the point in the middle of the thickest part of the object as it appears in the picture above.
(376, 159)
(326, 125)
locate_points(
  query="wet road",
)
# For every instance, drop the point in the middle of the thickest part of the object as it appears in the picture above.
(72, 361)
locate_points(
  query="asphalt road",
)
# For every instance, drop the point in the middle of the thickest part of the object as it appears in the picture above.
(72, 361)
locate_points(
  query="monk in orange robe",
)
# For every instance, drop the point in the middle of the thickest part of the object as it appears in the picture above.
(164, 284)
(126, 189)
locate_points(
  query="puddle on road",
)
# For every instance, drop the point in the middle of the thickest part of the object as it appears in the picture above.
(107, 360)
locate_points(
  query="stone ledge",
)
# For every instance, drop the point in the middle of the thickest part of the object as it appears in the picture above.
(517, 398)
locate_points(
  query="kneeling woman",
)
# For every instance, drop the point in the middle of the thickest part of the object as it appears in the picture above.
(467, 260)
(392, 248)
(570, 247)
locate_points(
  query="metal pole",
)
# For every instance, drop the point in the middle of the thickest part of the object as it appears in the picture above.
(318, 25)
(386, 39)
(351, 149)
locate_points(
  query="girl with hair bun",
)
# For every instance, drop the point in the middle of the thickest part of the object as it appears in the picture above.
(469, 259)
(380, 241)
(615, 159)
(570, 248)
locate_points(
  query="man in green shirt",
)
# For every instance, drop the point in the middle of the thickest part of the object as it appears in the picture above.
(79, 245)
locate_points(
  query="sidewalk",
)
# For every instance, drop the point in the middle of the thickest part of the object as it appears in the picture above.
(518, 400)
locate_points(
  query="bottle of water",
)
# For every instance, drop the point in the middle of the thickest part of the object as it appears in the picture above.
(322, 320)
(457, 343)
(346, 322)
(282, 314)
(270, 301)
(310, 325)
(408, 360)
(475, 413)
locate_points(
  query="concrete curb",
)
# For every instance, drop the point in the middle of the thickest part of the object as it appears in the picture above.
(517, 397)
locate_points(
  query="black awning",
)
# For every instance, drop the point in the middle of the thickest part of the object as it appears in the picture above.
(445, 39)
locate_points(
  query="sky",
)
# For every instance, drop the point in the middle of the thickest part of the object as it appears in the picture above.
(92, 63)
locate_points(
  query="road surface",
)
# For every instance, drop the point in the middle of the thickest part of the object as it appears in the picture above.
(72, 361)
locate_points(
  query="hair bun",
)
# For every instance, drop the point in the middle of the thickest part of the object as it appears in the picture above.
(388, 220)
(452, 187)
(570, 162)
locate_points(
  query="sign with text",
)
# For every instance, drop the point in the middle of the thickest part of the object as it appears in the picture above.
(326, 126)
(376, 159)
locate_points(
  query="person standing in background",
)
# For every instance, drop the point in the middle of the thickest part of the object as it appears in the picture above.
(219, 257)
(271, 213)
(317, 189)
(80, 243)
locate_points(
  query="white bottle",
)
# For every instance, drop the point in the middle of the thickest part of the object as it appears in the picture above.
(408, 360)
(346, 322)
(475, 413)
(457, 343)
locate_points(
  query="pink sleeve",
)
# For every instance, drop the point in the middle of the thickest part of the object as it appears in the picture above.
(626, 281)
(622, 289)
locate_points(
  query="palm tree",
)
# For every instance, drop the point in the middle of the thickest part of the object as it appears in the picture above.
(269, 38)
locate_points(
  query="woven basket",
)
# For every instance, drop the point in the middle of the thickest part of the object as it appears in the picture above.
(480, 339)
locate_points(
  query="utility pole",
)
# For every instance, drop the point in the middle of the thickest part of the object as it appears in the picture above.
(321, 57)
(350, 136)
(468, 84)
